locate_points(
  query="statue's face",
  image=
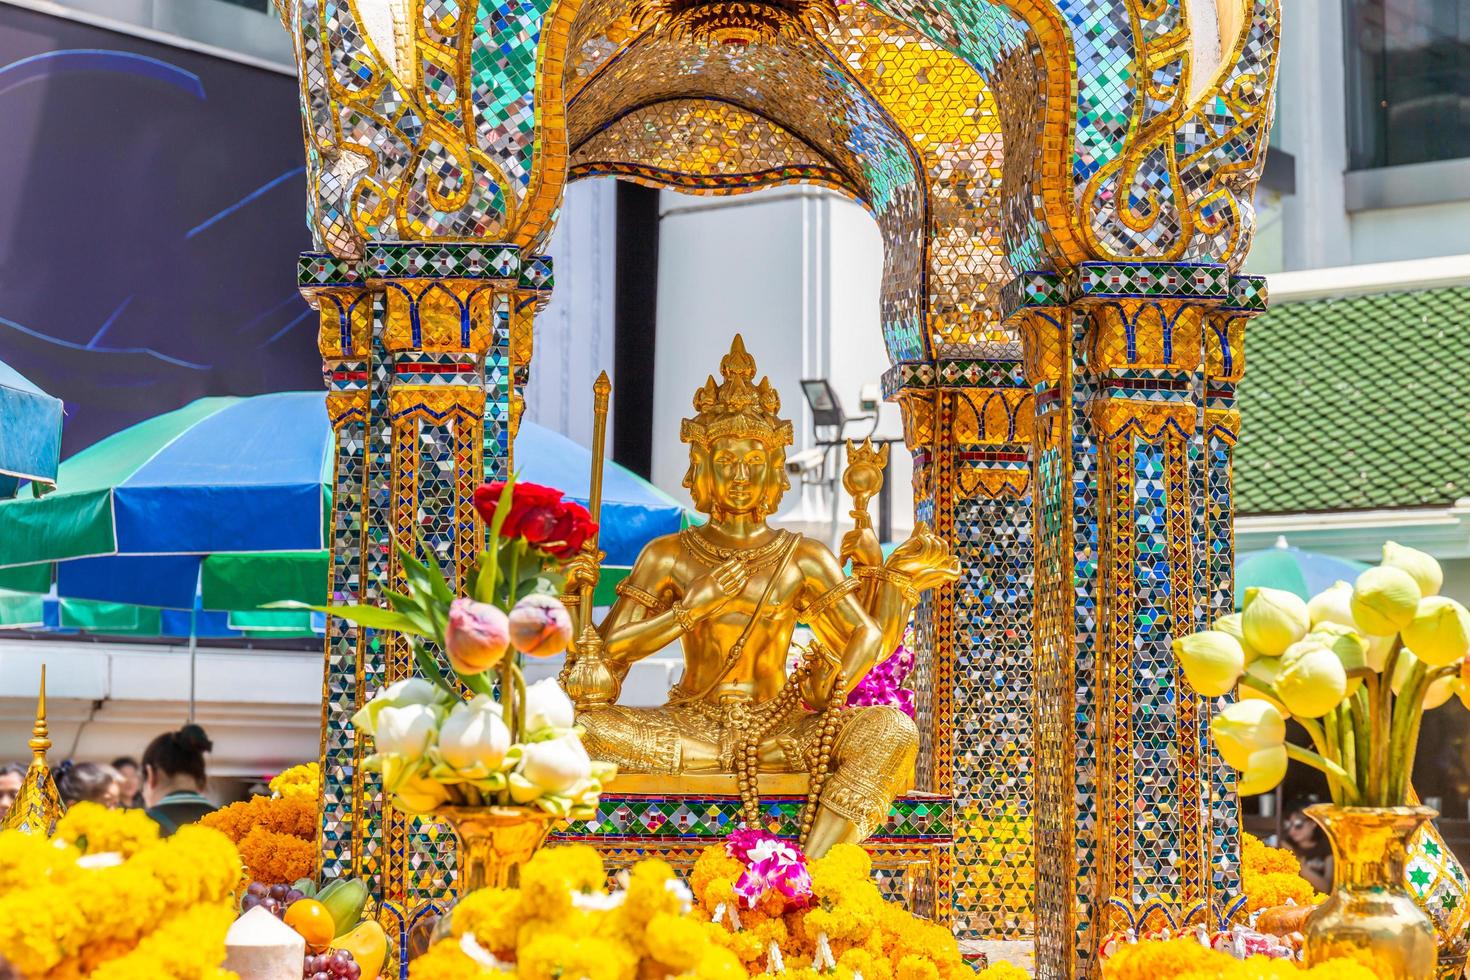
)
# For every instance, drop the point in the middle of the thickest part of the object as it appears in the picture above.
(738, 477)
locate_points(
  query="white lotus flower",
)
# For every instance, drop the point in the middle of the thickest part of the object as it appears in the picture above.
(551, 768)
(400, 694)
(407, 731)
(474, 738)
(547, 706)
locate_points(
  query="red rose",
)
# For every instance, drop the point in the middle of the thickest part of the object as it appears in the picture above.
(574, 526)
(525, 498)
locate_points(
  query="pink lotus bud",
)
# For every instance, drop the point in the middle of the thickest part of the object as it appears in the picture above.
(476, 637)
(540, 626)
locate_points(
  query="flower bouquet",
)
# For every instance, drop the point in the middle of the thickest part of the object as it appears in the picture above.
(1356, 667)
(501, 771)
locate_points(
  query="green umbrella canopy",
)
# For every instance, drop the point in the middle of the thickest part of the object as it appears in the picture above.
(228, 499)
(1291, 569)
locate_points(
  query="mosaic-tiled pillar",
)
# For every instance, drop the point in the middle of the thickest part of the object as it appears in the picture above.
(968, 423)
(1136, 823)
(417, 340)
(1224, 366)
(335, 288)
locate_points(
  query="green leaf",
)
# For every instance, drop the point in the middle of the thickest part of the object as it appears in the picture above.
(424, 580)
(484, 587)
(429, 667)
(373, 617)
(478, 683)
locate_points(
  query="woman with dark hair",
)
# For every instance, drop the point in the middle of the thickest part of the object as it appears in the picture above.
(173, 777)
(89, 782)
(1309, 843)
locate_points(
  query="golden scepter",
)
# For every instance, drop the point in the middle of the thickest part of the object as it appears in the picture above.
(586, 679)
(864, 477)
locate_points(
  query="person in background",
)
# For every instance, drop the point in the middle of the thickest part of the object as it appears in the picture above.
(131, 790)
(89, 782)
(173, 778)
(11, 777)
(1302, 836)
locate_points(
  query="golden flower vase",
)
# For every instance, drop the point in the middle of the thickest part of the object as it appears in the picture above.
(494, 841)
(1371, 917)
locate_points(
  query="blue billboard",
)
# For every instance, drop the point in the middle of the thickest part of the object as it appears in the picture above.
(151, 210)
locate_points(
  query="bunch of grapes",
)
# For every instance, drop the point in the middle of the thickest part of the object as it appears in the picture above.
(336, 965)
(276, 898)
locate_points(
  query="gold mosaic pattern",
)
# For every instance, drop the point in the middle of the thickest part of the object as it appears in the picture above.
(797, 86)
(694, 138)
(953, 122)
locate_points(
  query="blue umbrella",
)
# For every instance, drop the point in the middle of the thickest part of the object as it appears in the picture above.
(147, 515)
(1291, 569)
(30, 433)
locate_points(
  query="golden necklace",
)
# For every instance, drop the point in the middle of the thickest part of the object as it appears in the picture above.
(714, 555)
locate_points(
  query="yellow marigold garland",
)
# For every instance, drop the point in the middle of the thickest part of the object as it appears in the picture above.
(1186, 959)
(161, 911)
(303, 781)
(95, 829)
(1271, 876)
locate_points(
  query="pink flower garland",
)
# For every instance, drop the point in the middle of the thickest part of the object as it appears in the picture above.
(770, 864)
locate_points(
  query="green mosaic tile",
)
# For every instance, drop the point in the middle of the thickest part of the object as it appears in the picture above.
(1153, 280)
(408, 260)
(321, 269)
(699, 818)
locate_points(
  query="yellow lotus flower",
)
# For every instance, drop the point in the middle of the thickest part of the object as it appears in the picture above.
(1350, 646)
(1385, 600)
(1379, 648)
(1439, 634)
(1263, 772)
(1435, 695)
(1333, 605)
(1231, 624)
(1212, 661)
(1247, 727)
(1312, 684)
(1263, 671)
(1273, 620)
(1422, 568)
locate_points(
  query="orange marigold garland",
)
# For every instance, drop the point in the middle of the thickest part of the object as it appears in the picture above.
(1271, 876)
(276, 835)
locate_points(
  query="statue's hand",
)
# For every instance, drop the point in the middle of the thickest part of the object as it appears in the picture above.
(925, 558)
(584, 570)
(819, 686)
(708, 594)
(862, 547)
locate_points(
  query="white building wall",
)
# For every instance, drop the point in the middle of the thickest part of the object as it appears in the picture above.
(574, 335)
(1337, 218)
(797, 272)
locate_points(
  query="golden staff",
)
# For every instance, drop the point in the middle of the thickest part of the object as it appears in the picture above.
(601, 390)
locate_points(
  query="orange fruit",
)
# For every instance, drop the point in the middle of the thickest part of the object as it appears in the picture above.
(368, 944)
(312, 920)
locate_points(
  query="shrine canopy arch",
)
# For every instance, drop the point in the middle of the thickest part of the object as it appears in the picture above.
(1112, 129)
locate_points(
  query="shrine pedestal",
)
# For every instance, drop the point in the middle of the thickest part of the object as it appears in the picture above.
(910, 850)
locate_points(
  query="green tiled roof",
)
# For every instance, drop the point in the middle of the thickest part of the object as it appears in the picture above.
(1356, 403)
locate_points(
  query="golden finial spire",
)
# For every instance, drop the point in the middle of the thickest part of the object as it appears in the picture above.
(37, 806)
(40, 736)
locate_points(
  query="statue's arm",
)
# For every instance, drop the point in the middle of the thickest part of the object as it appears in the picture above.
(836, 615)
(632, 630)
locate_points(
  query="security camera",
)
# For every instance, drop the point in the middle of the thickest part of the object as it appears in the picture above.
(804, 462)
